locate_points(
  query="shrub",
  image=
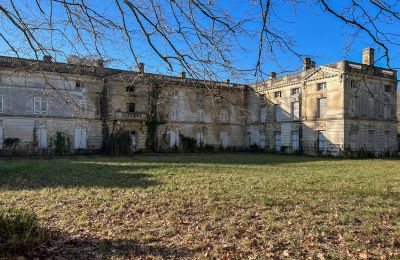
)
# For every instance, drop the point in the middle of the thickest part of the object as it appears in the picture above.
(11, 142)
(19, 232)
(118, 144)
(189, 144)
(60, 144)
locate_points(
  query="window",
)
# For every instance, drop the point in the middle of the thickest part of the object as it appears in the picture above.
(322, 145)
(223, 116)
(1, 104)
(321, 107)
(80, 138)
(175, 113)
(175, 93)
(277, 94)
(200, 114)
(40, 105)
(354, 105)
(263, 114)
(386, 110)
(130, 107)
(263, 140)
(278, 142)
(388, 88)
(295, 110)
(278, 113)
(387, 140)
(295, 140)
(79, 85)
(295, 91)
(249, 139)
(200, 139)
(174, 138)
(321, 86)
(42, 139)
(130, 90)
(1, 138)
(199, 97)
(371, 107)
(223, 136)
(353, 141)
(371, 137)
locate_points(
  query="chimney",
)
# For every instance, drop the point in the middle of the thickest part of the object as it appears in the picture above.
(140, 68)
(272, 75)
(312, 64)
(182, 75)
(368, 56)
(227, 81)
(307, 63)
(47, 58)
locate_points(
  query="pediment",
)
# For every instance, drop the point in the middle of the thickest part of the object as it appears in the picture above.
(321, 73)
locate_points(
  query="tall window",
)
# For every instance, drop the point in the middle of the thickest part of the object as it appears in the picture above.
(295, 140)
(200, 139)
(223, 116)
(353, 140)
(200, 114)
(249, 138)
(278, 113)
(42, 138)
(263, 114)
(355, 84)
(263, 140)
(321, 107)
(386, 109)
(80, 138)
(278, 142)
(387, 140)
(130, 107)
(1, 104)
(371, 107)
(40, 105)
(175, 113)
(295, 110)
(322, 144)
(321, 86)
(371, 137)
(174, 138)
(223, 136)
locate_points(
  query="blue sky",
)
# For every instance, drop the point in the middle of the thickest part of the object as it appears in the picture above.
(317, 34)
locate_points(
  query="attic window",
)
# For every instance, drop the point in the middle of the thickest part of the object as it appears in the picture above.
(130, 89)
(79, 84)
(321, 86)
(278, 94)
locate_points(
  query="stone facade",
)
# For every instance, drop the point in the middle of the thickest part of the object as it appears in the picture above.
(345, 106)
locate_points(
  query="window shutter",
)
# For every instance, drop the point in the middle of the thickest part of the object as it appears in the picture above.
(43, 105)
(1, 104)
(36, 105)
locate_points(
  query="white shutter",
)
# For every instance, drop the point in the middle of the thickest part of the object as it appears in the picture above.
(36, 105)
(322, 107)
(200, 138)
(295, 140)
(43, 105)
(1, 138)
(224, 139)
(83, 138)
(1, 104)
(263, 114)
(263, 140)
(174, 138)
(80, 138)
(296, 110)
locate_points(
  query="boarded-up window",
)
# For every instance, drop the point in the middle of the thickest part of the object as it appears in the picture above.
(295, 140)
(295, 110)
(278, 113)
(200, 139)
(263, 114)
(1, 104)
(371, 137)
(387, 140)
(322, 144)
(321, 107)
(278, 141)
(223, 136)
(223, 116)
(354, 140)
(42, 138)
(80, 138)
(263, 140)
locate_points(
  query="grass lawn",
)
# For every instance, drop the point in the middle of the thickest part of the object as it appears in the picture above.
(199, 206)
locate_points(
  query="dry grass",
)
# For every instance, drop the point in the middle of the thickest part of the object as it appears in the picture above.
(210, 205)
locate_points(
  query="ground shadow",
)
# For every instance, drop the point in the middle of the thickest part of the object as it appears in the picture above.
(74, 173)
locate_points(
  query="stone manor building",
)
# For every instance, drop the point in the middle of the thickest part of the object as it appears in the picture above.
(340, 107)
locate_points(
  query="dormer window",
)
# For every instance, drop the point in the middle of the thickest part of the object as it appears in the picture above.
(278, 94)
(130, 90)
(321, 86)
